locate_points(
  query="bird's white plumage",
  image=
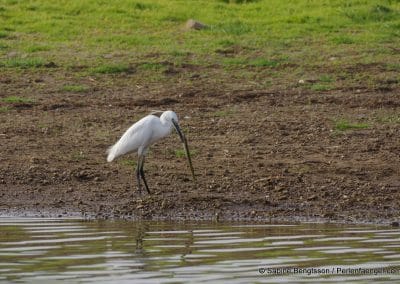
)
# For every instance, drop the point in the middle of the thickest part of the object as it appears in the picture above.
(142, 134)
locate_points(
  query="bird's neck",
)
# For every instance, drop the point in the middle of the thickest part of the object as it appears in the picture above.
(166, 125)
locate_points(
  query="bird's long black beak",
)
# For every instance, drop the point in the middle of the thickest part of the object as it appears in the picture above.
(184, 141)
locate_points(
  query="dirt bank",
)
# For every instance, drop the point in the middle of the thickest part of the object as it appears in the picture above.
(259, 152)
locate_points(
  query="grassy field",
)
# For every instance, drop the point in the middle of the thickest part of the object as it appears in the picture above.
(108, 37)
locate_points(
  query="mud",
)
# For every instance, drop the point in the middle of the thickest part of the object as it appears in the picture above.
(259, 153)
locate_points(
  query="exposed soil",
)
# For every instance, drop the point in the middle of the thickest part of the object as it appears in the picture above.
(259, 153)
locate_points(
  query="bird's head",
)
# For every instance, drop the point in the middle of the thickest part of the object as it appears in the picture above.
(171, 117)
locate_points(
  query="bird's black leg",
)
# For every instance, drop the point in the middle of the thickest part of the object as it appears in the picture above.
(142, 174)
(137, 172)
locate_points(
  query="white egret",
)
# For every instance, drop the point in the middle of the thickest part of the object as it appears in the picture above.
(142, 134)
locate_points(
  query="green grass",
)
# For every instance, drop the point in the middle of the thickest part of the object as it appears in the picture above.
(390, 118)
(129, 163)
(255, 62)
(92, 28)
(111, 69)
(75, 88)
(262, 39)
(152, 66)
(234, 61)
(320, 87)
(238, 1)
(225, 112)
(393, 66)
(343, 125)
(262, 62)
(324, 83)
(3, 47)
(16, 100)
(326, 78)
(36, 48)
(32, 62)
(342, 39)
(375, 12)
(235, 28)
(180, 153)
(4, 109)
(3, 34)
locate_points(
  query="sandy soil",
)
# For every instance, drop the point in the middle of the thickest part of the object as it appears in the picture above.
(259, 153)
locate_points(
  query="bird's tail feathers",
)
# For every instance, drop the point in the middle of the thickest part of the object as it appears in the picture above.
(113, 152)
(123, 146)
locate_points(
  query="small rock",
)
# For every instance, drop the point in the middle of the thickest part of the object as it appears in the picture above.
(83, 175)
(32, 168)
(185, 179)
(51, 64)
(12, 54)
(328, 215)
(279, 188)
(216, 216)
(34, 160)
(312, 197)
(301, 81)
(194, 25)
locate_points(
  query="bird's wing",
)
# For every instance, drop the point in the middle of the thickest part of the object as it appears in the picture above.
(156, 112)
(137, 135)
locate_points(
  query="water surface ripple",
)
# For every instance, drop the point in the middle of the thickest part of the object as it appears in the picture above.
(34, 250)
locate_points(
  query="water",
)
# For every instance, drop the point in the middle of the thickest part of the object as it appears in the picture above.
(76, 251)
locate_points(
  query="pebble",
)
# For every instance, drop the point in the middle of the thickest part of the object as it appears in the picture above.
(194, 25)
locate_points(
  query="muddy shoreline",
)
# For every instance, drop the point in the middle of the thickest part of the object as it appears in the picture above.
(260, 153)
